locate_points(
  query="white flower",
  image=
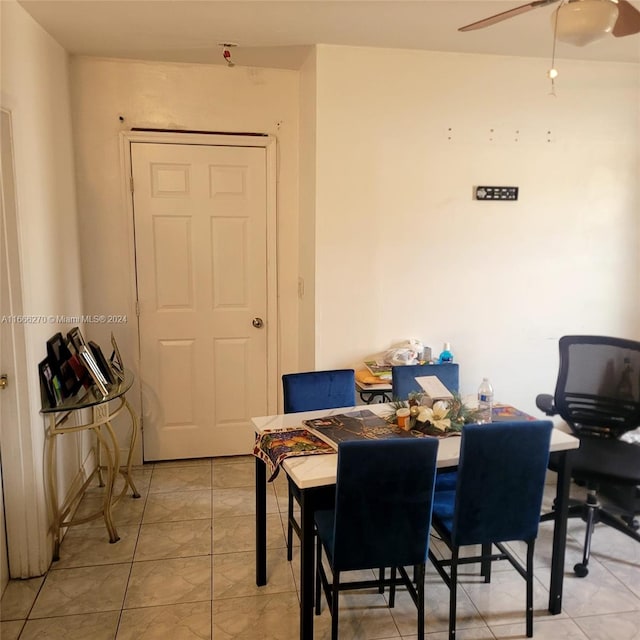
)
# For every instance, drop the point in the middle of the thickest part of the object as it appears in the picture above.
(436, 415)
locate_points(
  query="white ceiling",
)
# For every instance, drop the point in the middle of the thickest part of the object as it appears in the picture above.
(278, 33)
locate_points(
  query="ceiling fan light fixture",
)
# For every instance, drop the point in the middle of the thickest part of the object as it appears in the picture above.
(580, 22)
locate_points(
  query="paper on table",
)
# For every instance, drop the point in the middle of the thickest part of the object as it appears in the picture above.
(434, 388)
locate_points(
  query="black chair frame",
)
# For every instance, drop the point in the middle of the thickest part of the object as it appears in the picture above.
(485, 560)
(598, 416)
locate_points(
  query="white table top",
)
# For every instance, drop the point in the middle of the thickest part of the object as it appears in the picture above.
(319, 470)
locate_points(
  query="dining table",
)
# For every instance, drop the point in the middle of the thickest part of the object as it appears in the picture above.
(315, 477)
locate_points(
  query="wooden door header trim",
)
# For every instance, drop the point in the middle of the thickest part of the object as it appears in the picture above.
(209, 139)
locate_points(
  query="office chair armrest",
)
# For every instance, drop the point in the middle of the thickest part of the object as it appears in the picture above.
(546, 404)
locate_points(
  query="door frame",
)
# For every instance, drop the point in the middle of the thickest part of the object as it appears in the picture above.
(28, 545)
(265, 141)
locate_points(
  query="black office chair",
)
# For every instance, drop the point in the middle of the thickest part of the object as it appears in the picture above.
(381, 518)
(311, 391)
(497, 499)
(598, 395)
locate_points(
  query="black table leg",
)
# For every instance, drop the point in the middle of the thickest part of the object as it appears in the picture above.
(261, 523)
(561, 507)
(307, 564)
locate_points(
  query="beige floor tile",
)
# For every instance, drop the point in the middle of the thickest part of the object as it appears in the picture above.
(173, 540)
(363, 615)
(232, 460)
(193, 462)
(96, 626)
(176, 506)
(172, 581)
(273, 617)
(240, 501)
(478, 633)
(198, 544)
(128, 510)
(234, 575)
(241, 473)
(618, 553)
(598, 593)
(193, 478)
(503, 600)
(239, 533)
(11, 630)
(189, 621)
(83, 548)
(83, 590)
(436, 609)
(18, 598)
(619, 626)
(550, 629)
(140, 476)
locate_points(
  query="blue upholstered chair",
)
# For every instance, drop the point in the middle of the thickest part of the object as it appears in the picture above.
(311, 391)
(381, 518)
(497, 498)
(403, 382)
(403, 378)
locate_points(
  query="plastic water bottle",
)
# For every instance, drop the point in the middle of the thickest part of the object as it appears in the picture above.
(446, 355)
(485, 401)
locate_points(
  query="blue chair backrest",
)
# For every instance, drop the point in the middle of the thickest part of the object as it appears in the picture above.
(384, 498)
(315, 390)
(403, 378)
(501, 476)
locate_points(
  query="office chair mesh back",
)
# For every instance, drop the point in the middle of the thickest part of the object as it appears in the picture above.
(500, 482)
(384, 497)
(598, 387)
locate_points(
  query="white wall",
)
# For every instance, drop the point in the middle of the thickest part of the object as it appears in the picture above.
(180, 97)
(307, 215)
(35, 89)
(402, 249)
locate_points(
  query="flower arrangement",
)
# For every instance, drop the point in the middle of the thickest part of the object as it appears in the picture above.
(443, 418)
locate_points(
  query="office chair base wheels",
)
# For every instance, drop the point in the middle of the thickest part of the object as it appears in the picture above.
(580, 570)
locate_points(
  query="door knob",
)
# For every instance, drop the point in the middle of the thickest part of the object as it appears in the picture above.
(4, 381)
(258, 323)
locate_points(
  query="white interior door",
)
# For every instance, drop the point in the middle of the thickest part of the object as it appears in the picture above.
(201, 253)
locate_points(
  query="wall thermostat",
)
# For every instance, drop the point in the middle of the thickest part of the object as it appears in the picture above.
(496, 193)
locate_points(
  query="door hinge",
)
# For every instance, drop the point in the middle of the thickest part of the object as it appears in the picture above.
(131, 183)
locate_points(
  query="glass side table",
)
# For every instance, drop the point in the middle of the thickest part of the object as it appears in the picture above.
(103, 410)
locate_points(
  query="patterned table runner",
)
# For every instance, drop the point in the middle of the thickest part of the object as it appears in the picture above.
(272, 447)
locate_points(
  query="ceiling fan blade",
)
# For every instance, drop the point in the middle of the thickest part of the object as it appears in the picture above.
(628, 21)
(505, 15)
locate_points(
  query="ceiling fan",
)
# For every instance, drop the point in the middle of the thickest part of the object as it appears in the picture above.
(577, 22)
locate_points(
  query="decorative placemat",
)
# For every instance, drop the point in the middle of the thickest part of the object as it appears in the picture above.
(272, 447)
(505, 412)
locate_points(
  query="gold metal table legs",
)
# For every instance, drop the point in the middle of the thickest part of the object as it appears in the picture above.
(107, 460)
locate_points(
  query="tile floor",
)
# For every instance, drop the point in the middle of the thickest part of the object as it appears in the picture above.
(184, 569)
